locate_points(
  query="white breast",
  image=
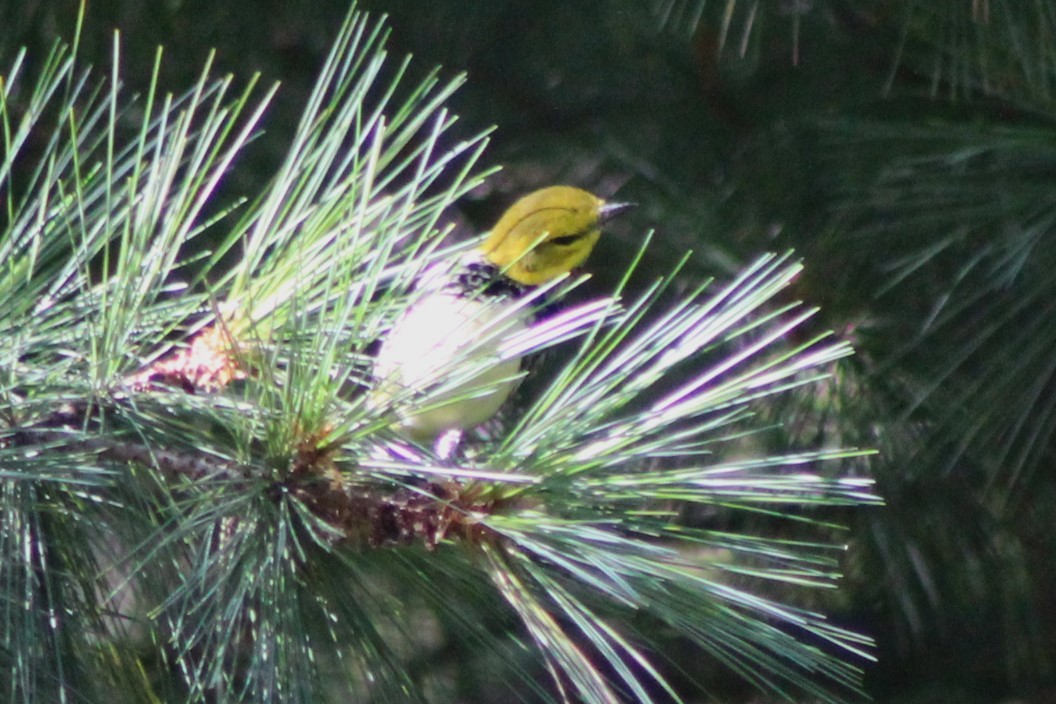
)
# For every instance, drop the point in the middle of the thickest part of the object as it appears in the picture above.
(441, 365)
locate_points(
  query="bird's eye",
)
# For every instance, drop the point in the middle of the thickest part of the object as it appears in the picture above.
(564, 240)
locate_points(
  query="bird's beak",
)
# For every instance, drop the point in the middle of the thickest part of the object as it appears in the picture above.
(608, 210)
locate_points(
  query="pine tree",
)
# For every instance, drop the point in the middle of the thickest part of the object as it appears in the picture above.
(197, 503)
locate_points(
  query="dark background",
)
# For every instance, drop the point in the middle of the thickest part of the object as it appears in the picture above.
(905, 150)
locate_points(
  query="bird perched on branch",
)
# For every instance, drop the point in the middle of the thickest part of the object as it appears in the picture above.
(454, 357)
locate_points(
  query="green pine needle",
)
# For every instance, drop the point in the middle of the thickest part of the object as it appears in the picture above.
(140, 518)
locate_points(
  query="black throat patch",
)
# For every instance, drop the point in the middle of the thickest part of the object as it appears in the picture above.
(485, 279)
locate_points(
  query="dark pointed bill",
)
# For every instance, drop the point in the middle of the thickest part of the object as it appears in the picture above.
(612, 209)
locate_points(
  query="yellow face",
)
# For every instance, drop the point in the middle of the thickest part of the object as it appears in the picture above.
(545, 234)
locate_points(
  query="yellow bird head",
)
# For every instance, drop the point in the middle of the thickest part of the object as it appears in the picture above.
(547, 233)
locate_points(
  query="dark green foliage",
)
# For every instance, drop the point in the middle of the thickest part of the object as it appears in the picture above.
(906, 150)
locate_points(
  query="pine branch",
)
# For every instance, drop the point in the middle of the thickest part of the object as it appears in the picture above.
(212, 424)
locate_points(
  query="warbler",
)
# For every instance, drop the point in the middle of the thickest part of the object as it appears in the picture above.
(444, 364)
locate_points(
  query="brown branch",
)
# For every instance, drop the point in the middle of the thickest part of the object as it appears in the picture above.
(68, 428)
(429, 513)
(196, 466)
(361, 515)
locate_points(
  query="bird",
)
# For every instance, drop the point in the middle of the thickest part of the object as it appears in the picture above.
(442, 365)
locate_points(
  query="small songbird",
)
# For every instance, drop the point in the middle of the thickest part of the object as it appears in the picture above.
(442, 365)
